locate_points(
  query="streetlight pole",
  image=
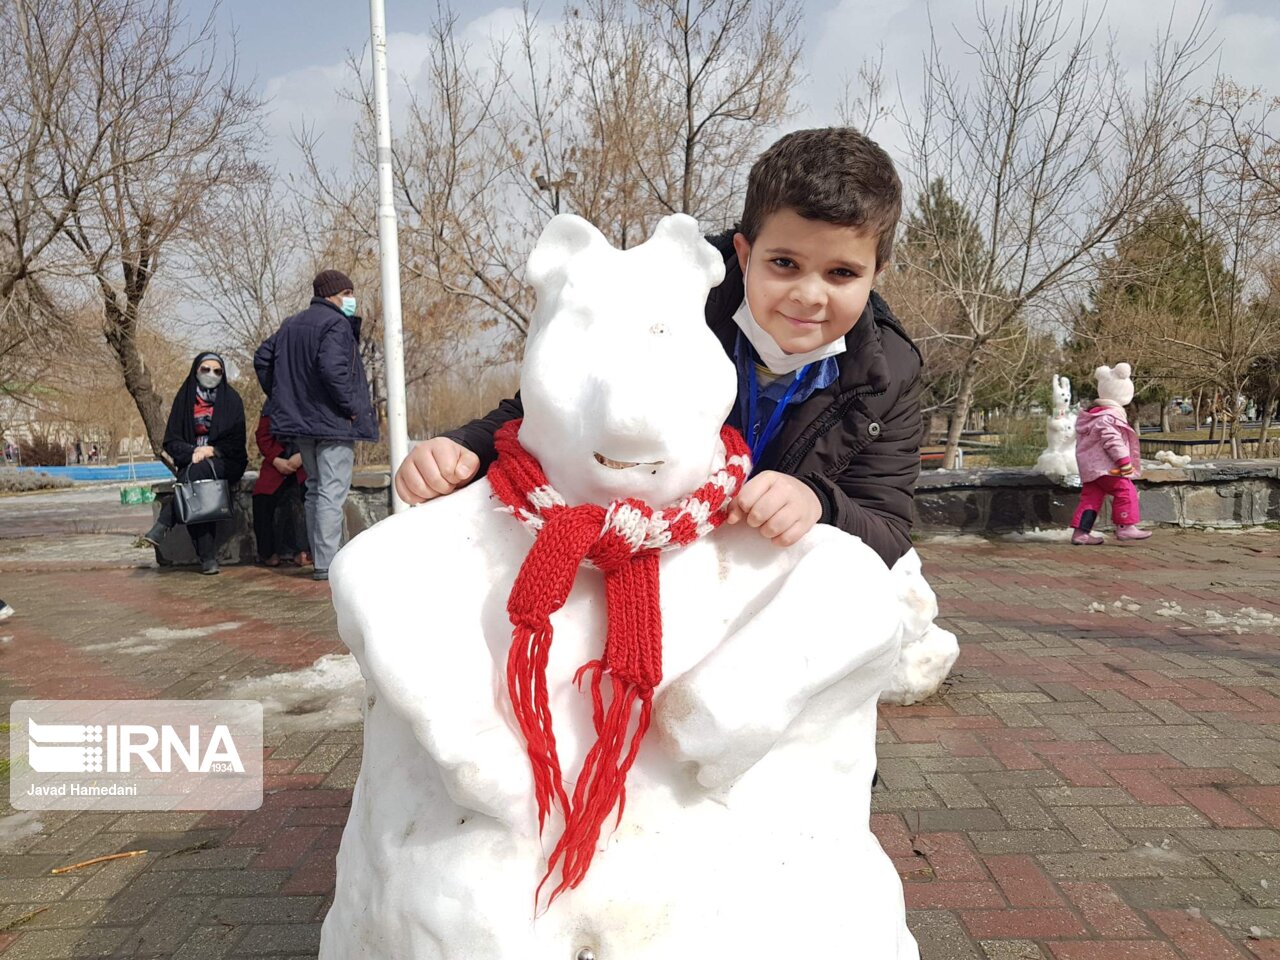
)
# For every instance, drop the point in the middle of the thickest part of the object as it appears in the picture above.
(389, 254)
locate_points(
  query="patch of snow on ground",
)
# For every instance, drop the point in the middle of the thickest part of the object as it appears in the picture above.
(154, 639)
(1055, 535)
(959, 538)
(14, 828)
(324, 696)
(1169, 609)
(1245, 618)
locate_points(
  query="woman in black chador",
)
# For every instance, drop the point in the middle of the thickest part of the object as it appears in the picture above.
(206, 434)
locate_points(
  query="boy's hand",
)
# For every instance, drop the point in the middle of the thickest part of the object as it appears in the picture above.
(781, 507)
(434, 468)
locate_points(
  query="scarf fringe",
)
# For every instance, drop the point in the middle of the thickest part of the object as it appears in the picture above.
(602, 783)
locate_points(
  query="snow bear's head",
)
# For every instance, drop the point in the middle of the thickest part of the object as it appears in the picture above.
(624, 386)
(1114, 383)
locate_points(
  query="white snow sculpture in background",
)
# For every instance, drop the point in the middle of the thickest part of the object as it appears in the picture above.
(745, 831)
(1059, 458)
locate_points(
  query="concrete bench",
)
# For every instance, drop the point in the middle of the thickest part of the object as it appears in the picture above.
(368, 502)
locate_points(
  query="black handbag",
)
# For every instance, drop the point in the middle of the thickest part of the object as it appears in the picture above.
(201, 501)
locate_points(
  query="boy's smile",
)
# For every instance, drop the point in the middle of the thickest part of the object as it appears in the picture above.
(808, 280)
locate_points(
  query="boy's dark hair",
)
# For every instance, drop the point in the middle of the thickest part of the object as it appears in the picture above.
(836, 174)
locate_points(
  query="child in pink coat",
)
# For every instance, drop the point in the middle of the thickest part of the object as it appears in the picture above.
(1108, 458)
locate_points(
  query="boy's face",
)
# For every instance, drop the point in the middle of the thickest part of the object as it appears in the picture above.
(809, 279)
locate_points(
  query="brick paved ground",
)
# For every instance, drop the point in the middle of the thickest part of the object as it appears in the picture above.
(1094, 784)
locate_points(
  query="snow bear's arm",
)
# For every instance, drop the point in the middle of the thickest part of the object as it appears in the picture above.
(730, 709)
(441, 682)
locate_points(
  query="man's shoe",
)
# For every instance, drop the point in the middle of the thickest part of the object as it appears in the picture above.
(1131, 532)
(6, 611)
(208, 567)
(319, 574)
(1083, 538)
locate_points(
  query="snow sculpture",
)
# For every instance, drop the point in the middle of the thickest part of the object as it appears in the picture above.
(928, 651)
(745, 829)
(1171, 459)
(1059, 458)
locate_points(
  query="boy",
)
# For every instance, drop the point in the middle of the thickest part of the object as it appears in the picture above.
(828, 382)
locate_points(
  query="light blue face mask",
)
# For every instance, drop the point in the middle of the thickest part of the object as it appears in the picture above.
(349, 306)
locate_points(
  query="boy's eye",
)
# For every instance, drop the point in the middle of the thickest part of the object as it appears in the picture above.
(785, 263)
(844, 273)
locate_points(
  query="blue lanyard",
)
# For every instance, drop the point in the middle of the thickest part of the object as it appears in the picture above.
(757, 438)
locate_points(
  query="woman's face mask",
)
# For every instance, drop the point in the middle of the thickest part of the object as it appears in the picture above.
(209, 376)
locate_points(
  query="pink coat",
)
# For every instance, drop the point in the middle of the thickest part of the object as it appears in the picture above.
(1104, 441)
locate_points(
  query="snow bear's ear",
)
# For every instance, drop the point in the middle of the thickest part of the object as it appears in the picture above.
(564, 238)
(681, 231)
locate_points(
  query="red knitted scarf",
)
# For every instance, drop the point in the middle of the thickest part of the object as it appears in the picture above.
(623, 540)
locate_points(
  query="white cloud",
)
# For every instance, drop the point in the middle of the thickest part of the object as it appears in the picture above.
(1241, 44)
(312, 97)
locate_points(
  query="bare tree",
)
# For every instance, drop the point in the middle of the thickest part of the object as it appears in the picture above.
(179, 129)
(1051, 152)
(1233, 197)
(701, 80)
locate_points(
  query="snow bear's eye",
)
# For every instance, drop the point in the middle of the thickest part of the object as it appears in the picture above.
(658, 329)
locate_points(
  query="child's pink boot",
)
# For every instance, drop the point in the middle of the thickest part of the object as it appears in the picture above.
(1131, 532)
(1082, 537)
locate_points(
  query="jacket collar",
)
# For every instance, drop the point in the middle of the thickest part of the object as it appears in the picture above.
(356, 321)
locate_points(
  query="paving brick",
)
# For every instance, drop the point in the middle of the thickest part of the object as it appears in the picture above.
(1023, 882)
(1195, 936)
(1011, 950)
(1032, 924)
(950, 856)
(1022, 841)
(1089, 828)
(952, 895)
(1114, 950)
(1104, 910)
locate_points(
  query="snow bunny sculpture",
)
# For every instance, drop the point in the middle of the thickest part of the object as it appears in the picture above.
(1059, 458)
(745, 826)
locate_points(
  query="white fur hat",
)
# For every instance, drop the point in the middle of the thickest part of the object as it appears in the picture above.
(1114, 383)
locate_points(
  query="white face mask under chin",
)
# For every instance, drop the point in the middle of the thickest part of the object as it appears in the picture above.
(778, 361)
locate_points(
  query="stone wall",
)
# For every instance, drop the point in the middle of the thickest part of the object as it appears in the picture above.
(1238, 493)
(368, 502)
(1234, 493)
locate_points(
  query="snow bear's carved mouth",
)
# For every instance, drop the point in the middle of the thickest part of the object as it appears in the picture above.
(625, 464)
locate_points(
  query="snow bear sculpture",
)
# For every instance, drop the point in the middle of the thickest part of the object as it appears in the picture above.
(1058, 461)
(745, 827)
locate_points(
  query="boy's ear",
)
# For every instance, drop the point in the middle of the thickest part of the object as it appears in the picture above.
(742, 247)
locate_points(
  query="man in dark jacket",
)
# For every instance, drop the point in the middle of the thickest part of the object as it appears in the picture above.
(318, 396)
(806, 332)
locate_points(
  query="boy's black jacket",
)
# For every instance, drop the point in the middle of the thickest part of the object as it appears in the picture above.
(856, 442)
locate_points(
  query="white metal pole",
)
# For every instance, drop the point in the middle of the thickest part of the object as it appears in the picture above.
(389, 254)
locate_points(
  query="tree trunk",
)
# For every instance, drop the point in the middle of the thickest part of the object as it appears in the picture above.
(1165, 425)
(120, 328)
(960, 413)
